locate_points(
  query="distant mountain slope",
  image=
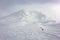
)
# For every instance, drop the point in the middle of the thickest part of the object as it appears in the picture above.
(13, 17)
(32, 16)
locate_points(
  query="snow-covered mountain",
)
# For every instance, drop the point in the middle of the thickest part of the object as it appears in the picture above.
(27, 25)
(29, 16)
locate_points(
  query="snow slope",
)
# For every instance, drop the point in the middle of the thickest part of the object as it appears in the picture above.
(26, 25)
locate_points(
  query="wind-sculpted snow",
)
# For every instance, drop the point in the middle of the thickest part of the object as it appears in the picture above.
(23, 25)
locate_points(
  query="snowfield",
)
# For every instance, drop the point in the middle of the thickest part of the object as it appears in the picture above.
(28, 25)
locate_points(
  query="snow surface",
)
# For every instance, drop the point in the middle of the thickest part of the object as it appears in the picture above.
(27, 25)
